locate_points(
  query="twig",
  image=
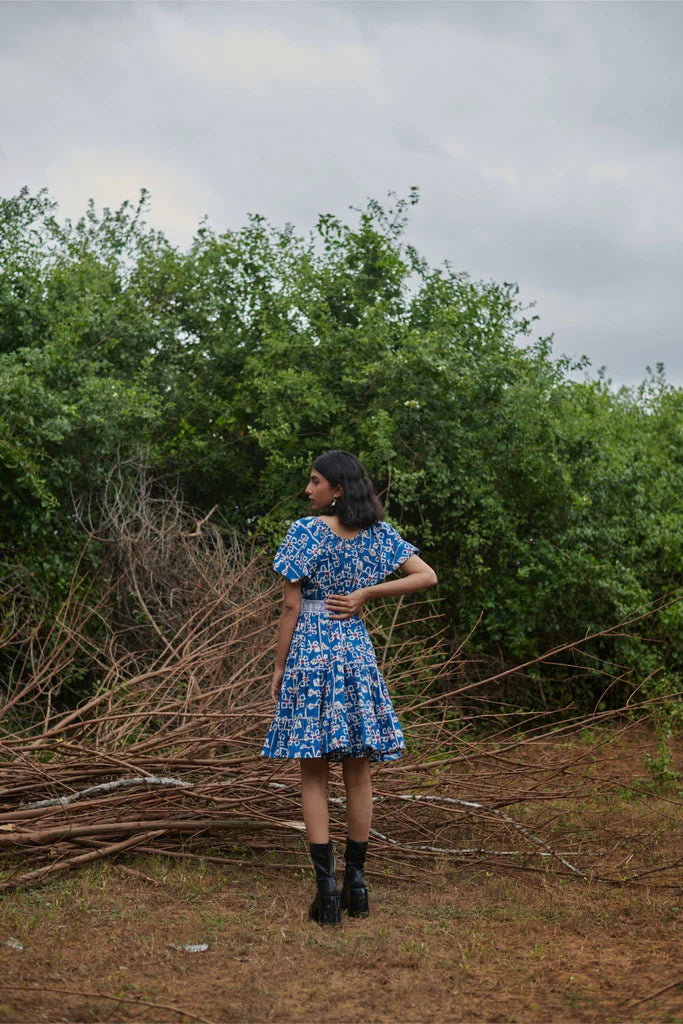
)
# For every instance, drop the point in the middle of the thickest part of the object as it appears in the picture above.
(505, 817)
(653, 995)
(102, 995)
(50, 835)
(134, 873)
(84, 858)
(106, 787)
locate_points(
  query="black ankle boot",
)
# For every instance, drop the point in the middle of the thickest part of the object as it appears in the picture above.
(326, 907)
(354, 894)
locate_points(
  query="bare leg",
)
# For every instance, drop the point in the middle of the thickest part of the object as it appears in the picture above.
(358, 784)
(314, 775)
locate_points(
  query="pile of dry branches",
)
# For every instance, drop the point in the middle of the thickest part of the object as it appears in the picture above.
(162, 755)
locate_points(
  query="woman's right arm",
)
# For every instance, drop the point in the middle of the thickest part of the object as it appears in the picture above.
(290, 613)
(415, 575)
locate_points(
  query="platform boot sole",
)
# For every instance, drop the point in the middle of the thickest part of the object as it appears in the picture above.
(325, 910)
(355, 902)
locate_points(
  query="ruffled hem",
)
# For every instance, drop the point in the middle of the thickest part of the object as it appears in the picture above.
(334, 702)
(337, 754)
(373, 755)
(304, 738)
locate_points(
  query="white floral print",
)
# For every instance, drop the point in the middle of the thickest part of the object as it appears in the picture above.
(334, 702)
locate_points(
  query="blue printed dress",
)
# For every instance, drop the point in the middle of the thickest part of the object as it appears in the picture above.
(334, 702)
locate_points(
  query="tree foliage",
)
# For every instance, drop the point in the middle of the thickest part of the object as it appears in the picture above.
(550, 505)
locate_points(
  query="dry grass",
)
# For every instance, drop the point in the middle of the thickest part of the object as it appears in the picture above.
(444, 943)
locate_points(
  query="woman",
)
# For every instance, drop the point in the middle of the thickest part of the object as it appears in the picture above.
(332, 703)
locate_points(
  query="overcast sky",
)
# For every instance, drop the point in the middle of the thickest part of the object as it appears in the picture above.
(546, 138)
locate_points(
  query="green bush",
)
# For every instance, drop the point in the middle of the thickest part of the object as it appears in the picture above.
(549, 505)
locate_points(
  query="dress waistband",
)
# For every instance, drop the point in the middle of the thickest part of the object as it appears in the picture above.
(309, 607)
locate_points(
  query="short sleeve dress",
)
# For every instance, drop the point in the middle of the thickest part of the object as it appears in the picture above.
(334, 702)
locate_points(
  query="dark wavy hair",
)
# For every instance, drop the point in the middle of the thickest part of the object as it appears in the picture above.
(358, 504)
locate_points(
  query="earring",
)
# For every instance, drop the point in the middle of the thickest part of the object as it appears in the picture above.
(333, 503)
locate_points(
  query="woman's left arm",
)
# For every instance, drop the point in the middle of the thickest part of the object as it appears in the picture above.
(415, 575)
(291, 604)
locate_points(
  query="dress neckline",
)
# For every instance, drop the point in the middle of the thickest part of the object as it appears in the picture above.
(338, 535)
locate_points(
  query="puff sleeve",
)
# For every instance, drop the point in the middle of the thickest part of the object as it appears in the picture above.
(295, 558)
(394, 549)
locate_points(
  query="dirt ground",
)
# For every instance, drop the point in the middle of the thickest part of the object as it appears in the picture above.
(461, 944)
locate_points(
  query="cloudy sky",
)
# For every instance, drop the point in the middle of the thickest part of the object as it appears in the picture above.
(546, 138)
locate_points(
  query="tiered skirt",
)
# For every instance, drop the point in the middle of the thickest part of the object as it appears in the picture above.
(334, 702)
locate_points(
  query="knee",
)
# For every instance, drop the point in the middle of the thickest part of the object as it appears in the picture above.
(314, 777)
(357, 777)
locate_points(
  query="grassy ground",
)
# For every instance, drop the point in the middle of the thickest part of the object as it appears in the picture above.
(444, 945)
(444, 942)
